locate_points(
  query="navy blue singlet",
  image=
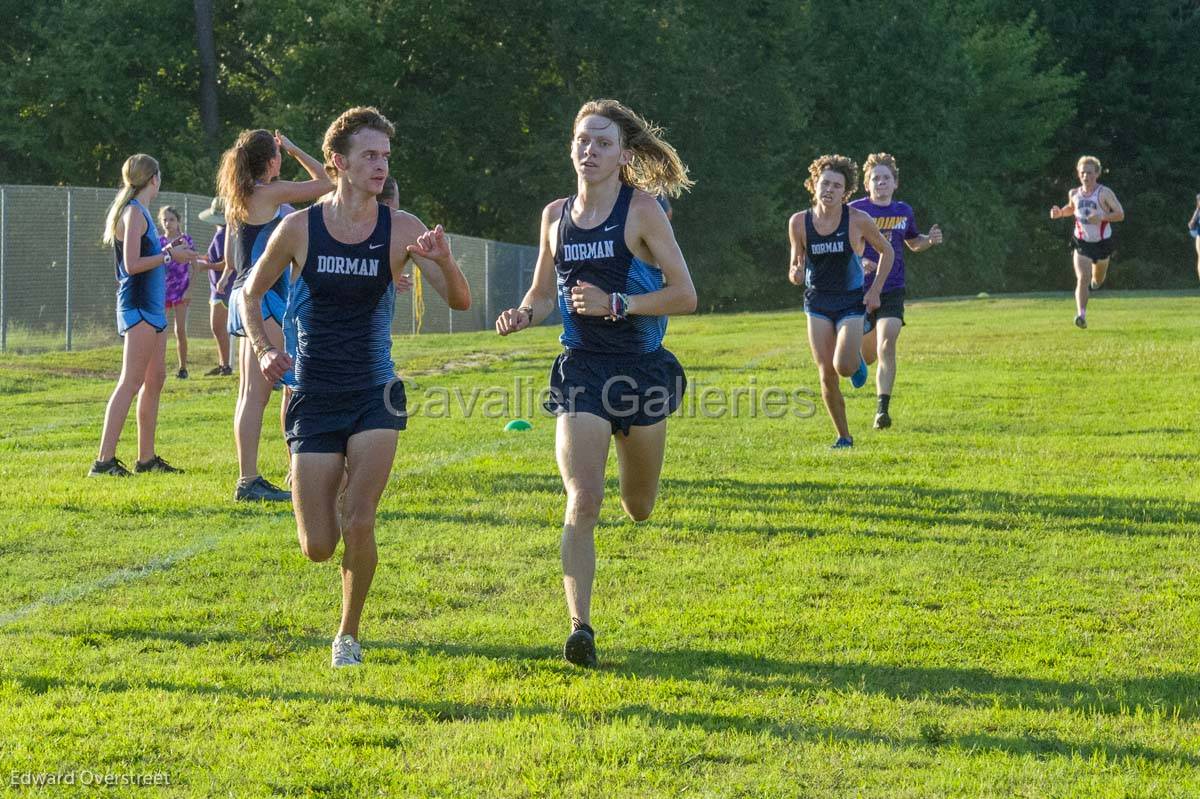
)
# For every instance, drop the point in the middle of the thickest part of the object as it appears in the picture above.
(339, 313)
(249, 243)
(830, 264)
(600, 256)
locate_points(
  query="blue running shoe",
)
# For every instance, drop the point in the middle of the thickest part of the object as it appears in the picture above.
(843, 442)
(859, 378)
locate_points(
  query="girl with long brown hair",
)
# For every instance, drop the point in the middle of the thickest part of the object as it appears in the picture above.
(255, 201)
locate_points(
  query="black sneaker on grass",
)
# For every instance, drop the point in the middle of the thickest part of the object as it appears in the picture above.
(156, 464)
(216, 371)
(182, 374)
(259, 489)
(883, 421)
(109, 468)
(580, 647)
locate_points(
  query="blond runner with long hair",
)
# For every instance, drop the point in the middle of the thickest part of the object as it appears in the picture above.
(609, 262)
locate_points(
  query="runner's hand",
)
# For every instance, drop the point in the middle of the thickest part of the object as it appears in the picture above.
(589, 300)
(284, 143)
(796, 274)
(871, 300)
(511, 321)
(432, 244)
(274, 363)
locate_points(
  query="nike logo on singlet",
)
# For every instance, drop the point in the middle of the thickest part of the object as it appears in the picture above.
(588, 251)
(374, 246)
(611, 227)
(337, 265)
(824, 247)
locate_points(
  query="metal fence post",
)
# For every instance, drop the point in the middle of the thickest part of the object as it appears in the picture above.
(70, 230)
(186, 215)
(487, 272)
(3, 283)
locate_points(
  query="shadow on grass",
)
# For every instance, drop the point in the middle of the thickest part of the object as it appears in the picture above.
(1023, 693)
(1173, 695)
(882, 504)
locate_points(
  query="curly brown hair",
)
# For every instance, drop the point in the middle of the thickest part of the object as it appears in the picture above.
(881, 159)
(337, 137)
(838, 163)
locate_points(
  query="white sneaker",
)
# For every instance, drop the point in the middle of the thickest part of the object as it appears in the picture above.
(346, 651)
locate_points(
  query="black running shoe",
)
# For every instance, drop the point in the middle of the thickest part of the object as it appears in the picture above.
(260, 490)
(226, 371)
(109, 468)
(882, 421)
(156, 464)
(182, 374)
(580, 647)
(216, 371)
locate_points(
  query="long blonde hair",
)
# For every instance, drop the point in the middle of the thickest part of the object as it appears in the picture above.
(655, 167)
(241, 165)
(136, 173)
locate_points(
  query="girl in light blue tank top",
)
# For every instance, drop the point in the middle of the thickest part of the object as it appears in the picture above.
(141, 315)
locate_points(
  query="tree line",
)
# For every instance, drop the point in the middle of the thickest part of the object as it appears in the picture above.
(986, 105)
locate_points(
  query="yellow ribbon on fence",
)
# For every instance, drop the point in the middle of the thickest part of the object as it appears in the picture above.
(418, 300)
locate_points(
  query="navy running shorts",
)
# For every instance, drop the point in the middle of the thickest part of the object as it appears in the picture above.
(891, 306)
(627, 390)
(324, 421)
(834, 306)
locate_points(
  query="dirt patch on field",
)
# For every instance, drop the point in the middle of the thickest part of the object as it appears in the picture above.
(422, 367)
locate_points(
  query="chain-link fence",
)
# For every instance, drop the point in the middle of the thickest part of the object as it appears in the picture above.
(58, 287)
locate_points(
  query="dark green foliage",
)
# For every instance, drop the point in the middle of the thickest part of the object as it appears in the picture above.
(985, 104)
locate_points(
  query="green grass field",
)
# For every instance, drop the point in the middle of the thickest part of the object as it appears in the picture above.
(999, 597)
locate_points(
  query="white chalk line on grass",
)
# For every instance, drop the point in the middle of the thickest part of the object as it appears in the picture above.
(117, 578)
(134, 573)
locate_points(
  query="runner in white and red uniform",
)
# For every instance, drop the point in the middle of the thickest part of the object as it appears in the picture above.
(1094, 208)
